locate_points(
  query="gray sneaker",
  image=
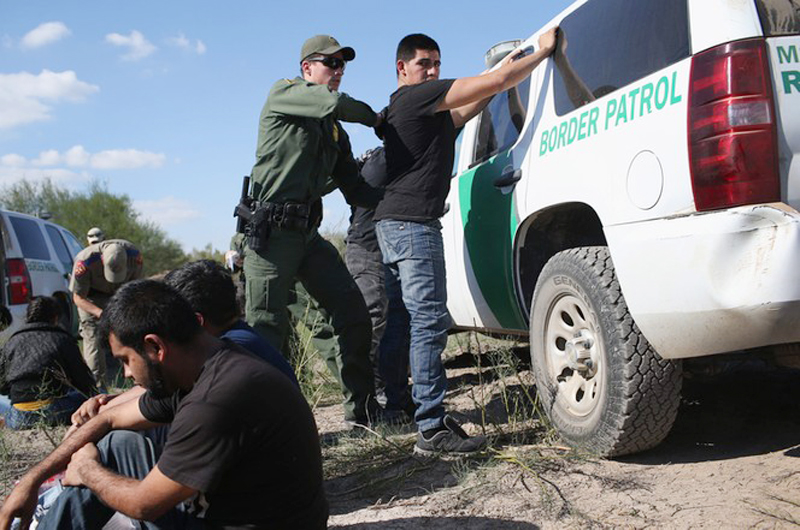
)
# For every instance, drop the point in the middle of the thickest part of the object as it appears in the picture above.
(451, 439)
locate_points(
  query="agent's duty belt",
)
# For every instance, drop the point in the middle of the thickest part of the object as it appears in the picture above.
(288, 215)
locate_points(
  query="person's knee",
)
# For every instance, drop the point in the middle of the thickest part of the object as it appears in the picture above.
(120, 441)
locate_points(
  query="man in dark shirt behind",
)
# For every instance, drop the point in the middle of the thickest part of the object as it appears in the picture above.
(242, 450)
(423, 116)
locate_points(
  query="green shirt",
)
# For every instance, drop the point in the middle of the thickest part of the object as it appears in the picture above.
(301, 145)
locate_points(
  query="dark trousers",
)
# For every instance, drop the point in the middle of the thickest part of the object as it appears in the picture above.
(308, 257)
(367, 269)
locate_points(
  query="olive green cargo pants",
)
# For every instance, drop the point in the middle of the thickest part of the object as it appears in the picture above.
(322, 338)
(316, 263)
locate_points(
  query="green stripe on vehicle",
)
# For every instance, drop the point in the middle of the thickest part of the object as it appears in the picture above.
(490, 225)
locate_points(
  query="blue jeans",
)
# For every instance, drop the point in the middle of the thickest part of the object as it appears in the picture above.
(58, 412)
(127, 453)
(414, 255)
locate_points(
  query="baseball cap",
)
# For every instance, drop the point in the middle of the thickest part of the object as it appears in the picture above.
(325, 45)
(95, 235)
(115, 263)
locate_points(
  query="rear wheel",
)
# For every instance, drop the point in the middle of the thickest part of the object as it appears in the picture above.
(600, 382)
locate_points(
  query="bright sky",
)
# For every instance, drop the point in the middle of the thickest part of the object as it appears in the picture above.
(160, 99)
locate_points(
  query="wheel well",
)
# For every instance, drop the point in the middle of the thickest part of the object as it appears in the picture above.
(547, 232)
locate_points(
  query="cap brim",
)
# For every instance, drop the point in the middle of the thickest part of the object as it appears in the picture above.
(348, 53)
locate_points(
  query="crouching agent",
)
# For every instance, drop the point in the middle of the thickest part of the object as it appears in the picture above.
(242, 450)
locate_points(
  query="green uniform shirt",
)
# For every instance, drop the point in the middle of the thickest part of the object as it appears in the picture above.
(301, 145)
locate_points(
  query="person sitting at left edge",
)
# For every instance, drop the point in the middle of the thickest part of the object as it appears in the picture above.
(41, 370)
(242, 450)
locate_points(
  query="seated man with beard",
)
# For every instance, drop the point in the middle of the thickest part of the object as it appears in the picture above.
(242, 450)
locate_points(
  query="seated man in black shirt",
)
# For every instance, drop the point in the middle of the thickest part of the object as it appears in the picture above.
(242, 450)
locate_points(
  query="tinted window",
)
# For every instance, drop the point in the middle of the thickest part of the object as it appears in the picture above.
(62, 252)
(30, 237)
(779, 17)
(501, 121)
(72, 242)
(611, 43)
(4, 236)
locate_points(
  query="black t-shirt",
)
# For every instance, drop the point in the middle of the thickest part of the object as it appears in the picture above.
(420, 147)
(245, 438)
(362, 228)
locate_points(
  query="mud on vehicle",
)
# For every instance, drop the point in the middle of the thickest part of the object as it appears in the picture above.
(635, 203)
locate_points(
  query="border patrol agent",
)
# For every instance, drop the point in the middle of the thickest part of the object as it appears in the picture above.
(100, 269)
(302, 153)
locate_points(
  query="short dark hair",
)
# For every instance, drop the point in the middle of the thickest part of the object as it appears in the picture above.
(209, 288)
(407, 49)
(143, 307)
(44, 309)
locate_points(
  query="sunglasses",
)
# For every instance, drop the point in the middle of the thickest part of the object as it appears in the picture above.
(334, 63)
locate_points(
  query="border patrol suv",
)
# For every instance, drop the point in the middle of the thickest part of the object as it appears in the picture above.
(634, 203)
(39, 257)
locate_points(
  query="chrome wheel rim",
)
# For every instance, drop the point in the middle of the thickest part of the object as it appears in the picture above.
(574, 355)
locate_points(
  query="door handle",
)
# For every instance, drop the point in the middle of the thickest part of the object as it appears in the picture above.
(509, 178)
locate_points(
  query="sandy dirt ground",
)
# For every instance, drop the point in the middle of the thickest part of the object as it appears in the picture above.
(731, 461)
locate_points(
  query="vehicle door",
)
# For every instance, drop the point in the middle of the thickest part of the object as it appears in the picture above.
(46, 277)
(486, 214)
(780, 21)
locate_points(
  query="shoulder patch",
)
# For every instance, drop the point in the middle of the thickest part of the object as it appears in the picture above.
(80, 268)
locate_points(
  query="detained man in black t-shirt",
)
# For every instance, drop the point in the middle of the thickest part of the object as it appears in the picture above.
(242, 450)
(419, 136)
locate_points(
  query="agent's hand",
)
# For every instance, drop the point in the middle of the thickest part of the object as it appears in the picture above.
(20, 503)
(89, 409)
(86, 455)
(547, 40)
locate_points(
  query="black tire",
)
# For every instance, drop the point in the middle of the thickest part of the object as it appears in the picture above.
(625, 399)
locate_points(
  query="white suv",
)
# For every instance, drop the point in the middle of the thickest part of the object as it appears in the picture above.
(38, 261)
(633, 203)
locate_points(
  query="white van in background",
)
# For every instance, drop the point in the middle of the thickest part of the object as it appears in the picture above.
(38, 261)
(633, 203)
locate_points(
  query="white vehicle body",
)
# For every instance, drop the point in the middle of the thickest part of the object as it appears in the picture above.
(39, 256)
(617, 172)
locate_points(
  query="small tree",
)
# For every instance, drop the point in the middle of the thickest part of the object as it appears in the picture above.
(114, 214)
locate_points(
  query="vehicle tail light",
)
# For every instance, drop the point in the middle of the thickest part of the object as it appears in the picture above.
(19, 281)
(733, 148)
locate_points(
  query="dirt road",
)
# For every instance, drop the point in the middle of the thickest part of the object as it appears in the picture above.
(731, 461)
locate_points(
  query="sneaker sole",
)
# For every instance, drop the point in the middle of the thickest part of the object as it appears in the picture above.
(444, 454)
